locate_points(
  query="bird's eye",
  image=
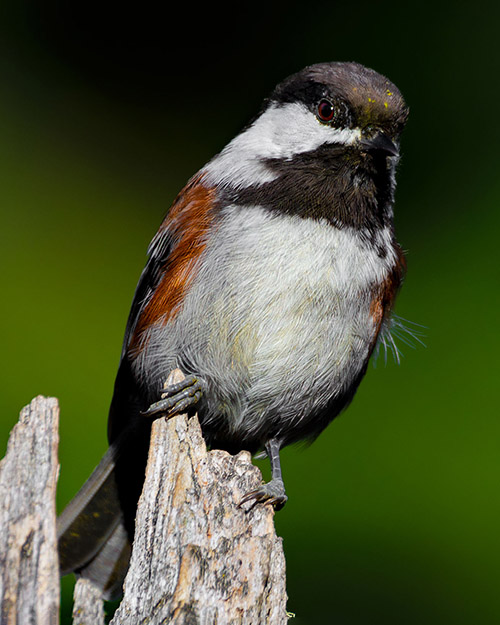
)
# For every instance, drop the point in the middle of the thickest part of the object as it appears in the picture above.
(325, 111)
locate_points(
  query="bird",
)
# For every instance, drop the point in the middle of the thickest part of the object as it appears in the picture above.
(269, 283)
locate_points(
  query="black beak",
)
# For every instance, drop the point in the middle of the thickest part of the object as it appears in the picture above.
(380, 143)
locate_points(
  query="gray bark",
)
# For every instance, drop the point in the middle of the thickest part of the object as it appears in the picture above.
(198, 557)
(88, 607)
(29, 568)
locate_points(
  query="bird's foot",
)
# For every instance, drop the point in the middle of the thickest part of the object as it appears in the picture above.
(272, 493)
(177, 398)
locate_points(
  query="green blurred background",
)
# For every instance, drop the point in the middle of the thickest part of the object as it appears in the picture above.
(105, 112)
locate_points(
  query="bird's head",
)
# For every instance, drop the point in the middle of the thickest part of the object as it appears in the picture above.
(332, 128)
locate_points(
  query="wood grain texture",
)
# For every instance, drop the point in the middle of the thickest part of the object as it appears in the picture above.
(29, 569)
(198, 557)
(88, 607)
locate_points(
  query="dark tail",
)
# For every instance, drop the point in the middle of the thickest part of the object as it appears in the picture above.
(96, 529)
(93, 540)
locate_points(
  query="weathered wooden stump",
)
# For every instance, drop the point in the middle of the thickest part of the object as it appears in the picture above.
(198, 557)
(29, 568)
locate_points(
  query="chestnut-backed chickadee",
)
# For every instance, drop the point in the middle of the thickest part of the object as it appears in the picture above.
(267, 284)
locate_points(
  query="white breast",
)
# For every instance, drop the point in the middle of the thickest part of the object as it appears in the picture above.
(274, 295)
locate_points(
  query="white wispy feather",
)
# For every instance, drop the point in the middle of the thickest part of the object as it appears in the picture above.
(397, 329)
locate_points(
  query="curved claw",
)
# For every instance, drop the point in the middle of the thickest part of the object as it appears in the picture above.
(177, 398)
(272, 493)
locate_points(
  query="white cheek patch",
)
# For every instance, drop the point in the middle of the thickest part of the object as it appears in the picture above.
(280, 132)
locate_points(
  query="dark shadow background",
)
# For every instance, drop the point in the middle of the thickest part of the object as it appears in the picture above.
(104, 114)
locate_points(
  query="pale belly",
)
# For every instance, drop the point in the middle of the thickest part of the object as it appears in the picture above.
(277, 323)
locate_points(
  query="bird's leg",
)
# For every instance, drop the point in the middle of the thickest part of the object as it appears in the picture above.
(274, 491)
(177, 398)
